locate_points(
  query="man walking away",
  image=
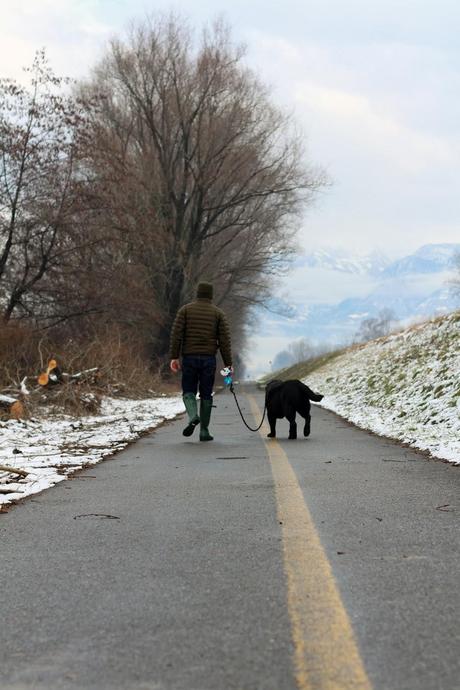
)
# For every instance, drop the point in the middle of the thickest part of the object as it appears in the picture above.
(199, 330)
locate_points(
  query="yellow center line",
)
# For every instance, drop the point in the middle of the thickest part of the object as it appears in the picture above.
(326, 655)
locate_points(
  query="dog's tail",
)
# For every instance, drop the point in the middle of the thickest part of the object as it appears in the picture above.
(316, 397)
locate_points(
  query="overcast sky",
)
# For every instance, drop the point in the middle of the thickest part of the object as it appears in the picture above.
(375, 85)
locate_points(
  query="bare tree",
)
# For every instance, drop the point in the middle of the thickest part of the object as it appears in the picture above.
(378, 326)
(297, 351)
(215, 168)
(40, 191)
(302, 350)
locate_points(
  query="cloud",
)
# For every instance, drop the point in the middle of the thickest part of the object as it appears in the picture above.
(353, 118)
(70, 30)
(383, 119)
(357, 113)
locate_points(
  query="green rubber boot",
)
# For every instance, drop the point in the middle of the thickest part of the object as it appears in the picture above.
(205, 416)
(192, 411)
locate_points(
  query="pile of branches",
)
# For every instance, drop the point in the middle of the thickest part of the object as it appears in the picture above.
(77, 393)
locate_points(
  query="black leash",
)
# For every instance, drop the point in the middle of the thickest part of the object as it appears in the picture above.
(241, 414)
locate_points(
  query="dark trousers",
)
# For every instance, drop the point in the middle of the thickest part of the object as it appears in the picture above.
(198, 372)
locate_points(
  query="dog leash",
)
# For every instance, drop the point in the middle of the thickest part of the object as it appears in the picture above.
(232, 390)
(227, 373)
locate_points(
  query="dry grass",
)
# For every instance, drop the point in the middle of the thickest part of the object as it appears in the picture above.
(123, 368)
(123, 365)
(19, 353)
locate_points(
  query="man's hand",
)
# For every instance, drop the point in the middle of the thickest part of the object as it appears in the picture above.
(174, 365)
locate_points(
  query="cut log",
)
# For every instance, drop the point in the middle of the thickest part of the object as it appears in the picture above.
(13, 470)
(17, 410)
(52, 374)
(13, 407)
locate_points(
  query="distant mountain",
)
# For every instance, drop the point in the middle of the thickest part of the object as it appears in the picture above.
(339, 322)
(431, 258)
(440, 302)
(413, 287)
(344, 262)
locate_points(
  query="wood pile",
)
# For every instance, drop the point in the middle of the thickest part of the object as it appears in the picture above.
(69, 392)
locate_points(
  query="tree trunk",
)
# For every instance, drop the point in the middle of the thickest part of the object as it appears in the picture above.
(172, 300)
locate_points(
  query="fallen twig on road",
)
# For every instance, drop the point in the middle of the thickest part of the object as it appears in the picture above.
(105, 516)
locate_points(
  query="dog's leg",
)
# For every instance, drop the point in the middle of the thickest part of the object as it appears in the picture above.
(290, 416)
(305, 413)
(272, 422)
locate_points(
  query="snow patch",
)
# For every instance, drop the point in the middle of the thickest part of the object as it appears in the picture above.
(51, 449)
(405, 386)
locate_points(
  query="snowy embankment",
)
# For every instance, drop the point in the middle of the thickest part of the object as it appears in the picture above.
(405, 386)
(49, 450)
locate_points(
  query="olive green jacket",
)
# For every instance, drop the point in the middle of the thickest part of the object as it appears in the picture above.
(201, 328)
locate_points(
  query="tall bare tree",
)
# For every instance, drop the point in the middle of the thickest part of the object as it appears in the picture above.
(207, 175)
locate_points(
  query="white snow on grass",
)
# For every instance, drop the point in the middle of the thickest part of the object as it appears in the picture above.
(405, 386)
(51, 449)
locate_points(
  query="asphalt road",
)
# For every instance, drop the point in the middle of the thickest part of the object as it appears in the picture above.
(328, 562)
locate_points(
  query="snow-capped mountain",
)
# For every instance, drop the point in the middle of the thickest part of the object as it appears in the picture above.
(344, 262)
(412, 287)
(338, 323)
(431, 258)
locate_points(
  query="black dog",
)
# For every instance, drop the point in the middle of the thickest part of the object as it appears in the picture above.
(284, 399)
